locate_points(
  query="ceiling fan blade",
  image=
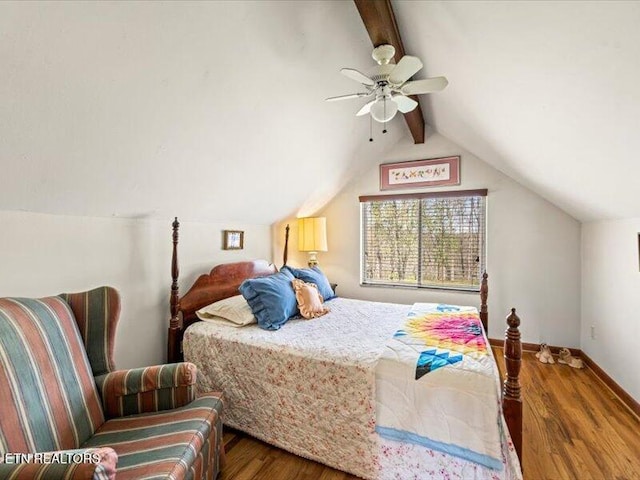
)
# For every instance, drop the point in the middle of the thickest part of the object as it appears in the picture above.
(357, 76)
(428, 85)
(366, 109)
(405, 104)
(405, 69)
(347, 97)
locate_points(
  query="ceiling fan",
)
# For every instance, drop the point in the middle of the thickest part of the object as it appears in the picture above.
(388, 82)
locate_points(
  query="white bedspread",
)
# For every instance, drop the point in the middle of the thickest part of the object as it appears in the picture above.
(309, 388)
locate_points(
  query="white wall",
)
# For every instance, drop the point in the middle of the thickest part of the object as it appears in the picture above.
(108, 106)
(43, 255)
(611, 299)
(533, 256)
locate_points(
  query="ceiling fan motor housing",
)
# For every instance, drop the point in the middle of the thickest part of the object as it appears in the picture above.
(380, 73)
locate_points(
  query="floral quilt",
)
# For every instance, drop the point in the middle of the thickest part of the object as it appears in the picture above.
(436, 385)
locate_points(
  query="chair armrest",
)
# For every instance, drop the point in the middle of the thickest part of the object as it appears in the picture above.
(148, 389)
(82, 464)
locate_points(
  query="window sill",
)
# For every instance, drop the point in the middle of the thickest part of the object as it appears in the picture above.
(471, 290)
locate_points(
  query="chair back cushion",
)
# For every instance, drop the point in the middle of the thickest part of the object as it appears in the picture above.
(48, 395)
(97, 312)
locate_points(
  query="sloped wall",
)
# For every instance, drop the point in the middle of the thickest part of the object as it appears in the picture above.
(611, 299)
(42, 255)
(533, 256)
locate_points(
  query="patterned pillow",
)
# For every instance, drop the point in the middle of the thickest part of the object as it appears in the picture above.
(309, 299)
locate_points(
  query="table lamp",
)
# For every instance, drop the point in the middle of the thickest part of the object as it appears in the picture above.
(312, 237)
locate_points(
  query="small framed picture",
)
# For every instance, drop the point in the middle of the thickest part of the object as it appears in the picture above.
(233, 240)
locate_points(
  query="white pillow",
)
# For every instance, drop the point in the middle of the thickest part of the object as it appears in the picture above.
(220, 321)
(233, 309)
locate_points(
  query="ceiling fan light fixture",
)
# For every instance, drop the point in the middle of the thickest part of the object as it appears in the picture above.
(384, 109)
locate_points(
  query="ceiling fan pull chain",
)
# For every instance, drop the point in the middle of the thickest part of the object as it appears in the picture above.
(384, 106)
(370, 128)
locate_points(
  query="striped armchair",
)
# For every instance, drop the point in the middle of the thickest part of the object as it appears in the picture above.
(68, 413)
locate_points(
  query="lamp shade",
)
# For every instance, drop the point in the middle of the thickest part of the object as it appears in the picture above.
(312, 234)
(384, 109)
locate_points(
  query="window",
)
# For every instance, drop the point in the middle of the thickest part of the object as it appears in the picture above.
(432, 240)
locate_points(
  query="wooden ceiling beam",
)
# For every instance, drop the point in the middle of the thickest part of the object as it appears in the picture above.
(380, 22)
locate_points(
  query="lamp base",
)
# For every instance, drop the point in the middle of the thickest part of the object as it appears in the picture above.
(313, 260)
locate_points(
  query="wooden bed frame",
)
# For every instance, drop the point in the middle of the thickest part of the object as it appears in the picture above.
(223, 282)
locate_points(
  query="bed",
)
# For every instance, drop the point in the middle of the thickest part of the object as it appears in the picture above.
(325, 390)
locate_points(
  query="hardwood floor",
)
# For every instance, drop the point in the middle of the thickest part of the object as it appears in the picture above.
(575, 428)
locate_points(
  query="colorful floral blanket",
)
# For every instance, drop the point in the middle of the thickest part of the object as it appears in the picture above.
(436, 385)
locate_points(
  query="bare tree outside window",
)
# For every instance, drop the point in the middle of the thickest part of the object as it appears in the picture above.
(425, 241)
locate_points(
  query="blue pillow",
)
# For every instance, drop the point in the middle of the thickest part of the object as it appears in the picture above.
(313, 275)
(272, 299)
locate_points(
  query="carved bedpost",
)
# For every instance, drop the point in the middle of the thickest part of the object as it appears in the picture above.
(511, 399)
(285, 255)
(173, 344)
(484, 294)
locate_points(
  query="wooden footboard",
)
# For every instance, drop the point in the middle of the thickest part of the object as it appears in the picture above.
(484, 309)
(511, 395)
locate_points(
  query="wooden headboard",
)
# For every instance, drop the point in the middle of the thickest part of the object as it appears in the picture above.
(221, 282)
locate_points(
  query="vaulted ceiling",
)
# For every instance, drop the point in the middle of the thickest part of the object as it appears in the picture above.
(215, 111)
(547, 92)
